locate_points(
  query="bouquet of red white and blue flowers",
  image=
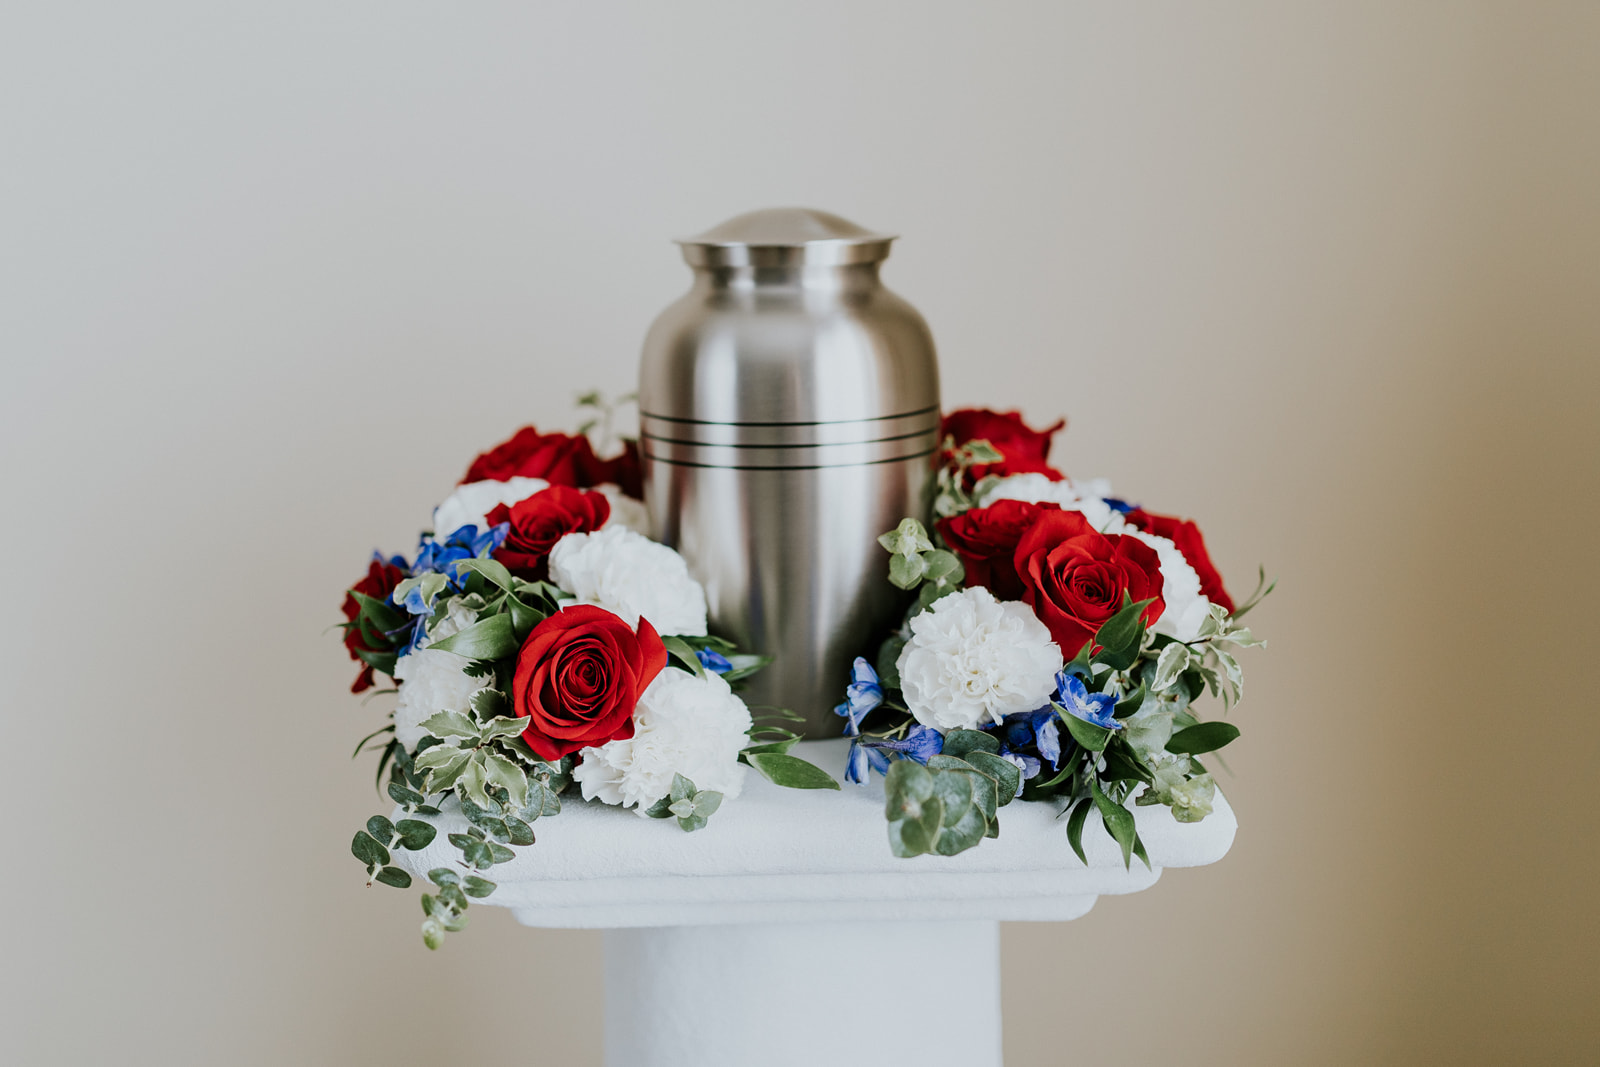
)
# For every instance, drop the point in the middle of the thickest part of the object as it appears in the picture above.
(542, 643)
(1058, 642)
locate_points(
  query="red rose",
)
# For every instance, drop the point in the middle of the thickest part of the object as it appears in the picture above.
(1025, 450)
(986, 540)
(1075, 578)
(378, 584)
(579, 675)
(538, 522)
(558, 458)
(623, 470)
(1186, 535)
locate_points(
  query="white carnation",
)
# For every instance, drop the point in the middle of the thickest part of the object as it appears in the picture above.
(687, 724)
(433, 681)
(625, 510)
(1186, 609)
(1085, 497)
(973, 659)
(630, 575)
(471, 503)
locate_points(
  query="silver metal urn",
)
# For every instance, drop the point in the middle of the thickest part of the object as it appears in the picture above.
(789, 410)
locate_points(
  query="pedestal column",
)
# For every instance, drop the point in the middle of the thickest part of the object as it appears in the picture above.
(802, 994)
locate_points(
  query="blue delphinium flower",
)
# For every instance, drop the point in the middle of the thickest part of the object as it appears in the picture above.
(863, 694)
(1076, 700)
(440, 556)
(1121, 506)
(920, 743)
(1040, 729)
(713, 661)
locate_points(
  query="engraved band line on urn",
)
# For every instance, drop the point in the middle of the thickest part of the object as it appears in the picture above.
(792, 445)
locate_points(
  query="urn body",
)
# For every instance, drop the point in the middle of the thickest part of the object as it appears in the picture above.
(789, 413)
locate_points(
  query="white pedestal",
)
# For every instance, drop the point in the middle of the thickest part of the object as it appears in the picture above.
(792, 898)
(917, 992)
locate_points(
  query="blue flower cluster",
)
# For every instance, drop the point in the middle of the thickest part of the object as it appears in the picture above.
(436, 556)
(1029, 739)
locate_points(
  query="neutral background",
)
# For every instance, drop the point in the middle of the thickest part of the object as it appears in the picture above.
(1324, 277)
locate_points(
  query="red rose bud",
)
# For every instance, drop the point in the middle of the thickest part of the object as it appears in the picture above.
(1026, 450)
(1186, 535)
(378, 584)
(579, 676)
(538, 522)
(1075, 578)
(986, 541)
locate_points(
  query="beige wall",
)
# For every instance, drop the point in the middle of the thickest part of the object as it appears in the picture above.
(1325, 278)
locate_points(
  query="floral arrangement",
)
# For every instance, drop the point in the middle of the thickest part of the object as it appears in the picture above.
(1056, 647)
(542, 644)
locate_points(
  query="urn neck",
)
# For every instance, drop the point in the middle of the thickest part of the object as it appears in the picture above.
(811, 277)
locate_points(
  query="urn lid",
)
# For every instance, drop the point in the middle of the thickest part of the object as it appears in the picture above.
(784, 237)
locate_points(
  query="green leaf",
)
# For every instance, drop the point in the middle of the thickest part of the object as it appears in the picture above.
(501, 726)
(476, 887)
(518, 832)
(1138, 850)
(445, 769)
(706, 803)
(381, 829)
(906, 571)
(394, 876)
(366, 849)
(491, 704)
(683, 652)
(959, 742)
(915, 835)
(476, 853)
(431, 585)
(491, 638)
(1007, 775)
(1119, 637)
(432, 932)
(406, 798)
(1087, 734)
(682, 788)
(500, 853)
(744, 666)
(888, 660)
(508, 776)
(661, 809)
(908, 539)
(415, 834)
(493, 570)
(450, 724)
(791, 772)
(473, 780)
(1202, 737)
(1121, 767)
(1129, 705)
(436, 756)
(913, 812)
(443, 876)
(1075, 821)
(363, 742)
(781, 748)
(1118, 821)
(962, 824)
(944, 569)
(1170, 665)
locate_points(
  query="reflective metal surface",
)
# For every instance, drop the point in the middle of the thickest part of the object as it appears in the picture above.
(789, 410)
